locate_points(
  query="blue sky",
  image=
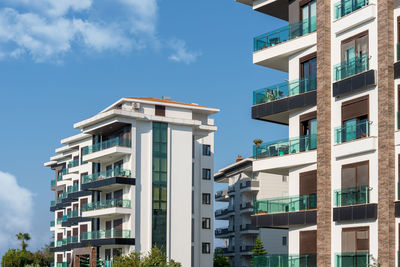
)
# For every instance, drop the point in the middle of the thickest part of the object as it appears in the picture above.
(63, 61)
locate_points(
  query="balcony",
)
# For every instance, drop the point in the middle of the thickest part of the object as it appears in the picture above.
(52, 223)
(285, 146)
(224, 232)
(246, 207)
(109, 207)
(351, 67)
(284, 260)
(285, 212)
(72, 239)
(249, 186)
(347, 133)
(248, 229)
(353, 204)
(222, 195)
(284, 90)
(105, 178)
(73, 163)
(113, 233)
(62, 264)
(61, 242)
(359, 259)
(246, 250)
(107, 151)
(345, 7)
(73, 188)
(73, 214)
(273, 49)
(53, 183)
(231, 189)
(223, 214)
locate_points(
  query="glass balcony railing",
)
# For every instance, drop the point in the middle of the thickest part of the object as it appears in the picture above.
(61, 242)
(356, 259)
(285, 204)
(52, 224)
(53, 182)
(351, 67)
(113, 233)
(344, 7)
(72, 188)
(109, 203)
(286, 146)
(64, 218)
(352, 196)
(72, 239)
(59, 220)
(285, 260)
(73, 213)
(355, 131)
(52, 244)
(62, 264)
(62, 196)
(73, 163)
(286, 33)
(106, 174)
(52, 203)
(106, 144)
(283, 90)
(398, 55)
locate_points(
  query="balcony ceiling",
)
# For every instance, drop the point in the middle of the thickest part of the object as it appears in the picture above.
(275, 8)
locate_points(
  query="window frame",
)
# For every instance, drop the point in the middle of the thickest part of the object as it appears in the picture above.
(206, 171)
(206, 198)
(206, 150)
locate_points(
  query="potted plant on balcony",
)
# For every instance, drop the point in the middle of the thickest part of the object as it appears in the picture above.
(257, 142)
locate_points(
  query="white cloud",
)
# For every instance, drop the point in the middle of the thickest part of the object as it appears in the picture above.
(46, 30)
(180, 53)
(16, 210)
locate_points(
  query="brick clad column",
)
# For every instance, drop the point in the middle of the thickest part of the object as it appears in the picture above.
(386, 128)
(324, 92)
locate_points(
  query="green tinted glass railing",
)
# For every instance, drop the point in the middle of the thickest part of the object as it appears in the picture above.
(344, 7)
(72, 239)
(73, 213)
(109, 203)
(352, 196)
(62, 264)
(284, 34)
(52, 203)
(283, 90)
(64, 218)
(359, 259)
(285, 146)
(285, 204)
(59, 220)
(347, 133)
(73, 163)
(351, 67)
(52, 244)
(106, 174)
(53, 182)
(61, 242)
(113, 233)
(72, 188)
(284, 260)
(106, 144)
(52, 224)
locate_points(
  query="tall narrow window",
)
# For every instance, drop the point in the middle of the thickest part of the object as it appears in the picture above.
(206, 199)
(355, 123)
(308, 16)
(205, 248)
(308, 74)
(159, 221)
(308, 131)
(206, 223)
(206, 174)
(355, 184)
(206, 150)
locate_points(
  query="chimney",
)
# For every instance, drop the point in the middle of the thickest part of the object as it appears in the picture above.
(239, 158)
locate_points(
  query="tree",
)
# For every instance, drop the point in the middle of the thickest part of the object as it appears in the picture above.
(220, 260)
(155, 258)
(259, 248)
(22, 237)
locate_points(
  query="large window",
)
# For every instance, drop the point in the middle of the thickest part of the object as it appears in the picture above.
(308, 130)
(308, 11)
(308, 73)
(355, 46)
(160, 131)
(355, 240)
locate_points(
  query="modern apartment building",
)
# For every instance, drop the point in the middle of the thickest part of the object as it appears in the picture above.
(244, 187)
(137, 175)
(340, 104)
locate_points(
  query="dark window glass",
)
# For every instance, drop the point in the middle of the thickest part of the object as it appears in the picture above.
(206, 223)
(160, 110)
(206, 174)
(206, 150)
(205, 248)
(206, 198)
(284, 240)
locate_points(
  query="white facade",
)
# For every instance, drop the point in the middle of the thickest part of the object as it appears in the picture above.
(244, 187)
(125, 167)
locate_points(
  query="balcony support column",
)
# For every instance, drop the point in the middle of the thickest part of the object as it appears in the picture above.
(324, 95)
(386, 129)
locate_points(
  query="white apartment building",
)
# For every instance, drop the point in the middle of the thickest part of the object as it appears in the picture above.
(244, 187)
(340, 103)
(137, 175)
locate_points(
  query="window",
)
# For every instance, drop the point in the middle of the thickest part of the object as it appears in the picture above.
(284, 178)
(354, 47)
(206, 223)
(206, 198)
(160, 110)
(308, 74)
(355, 122)
(206, 174)
(206, 150)
(355, 240)
(308, 131)
(205, 248)
(284, 240)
